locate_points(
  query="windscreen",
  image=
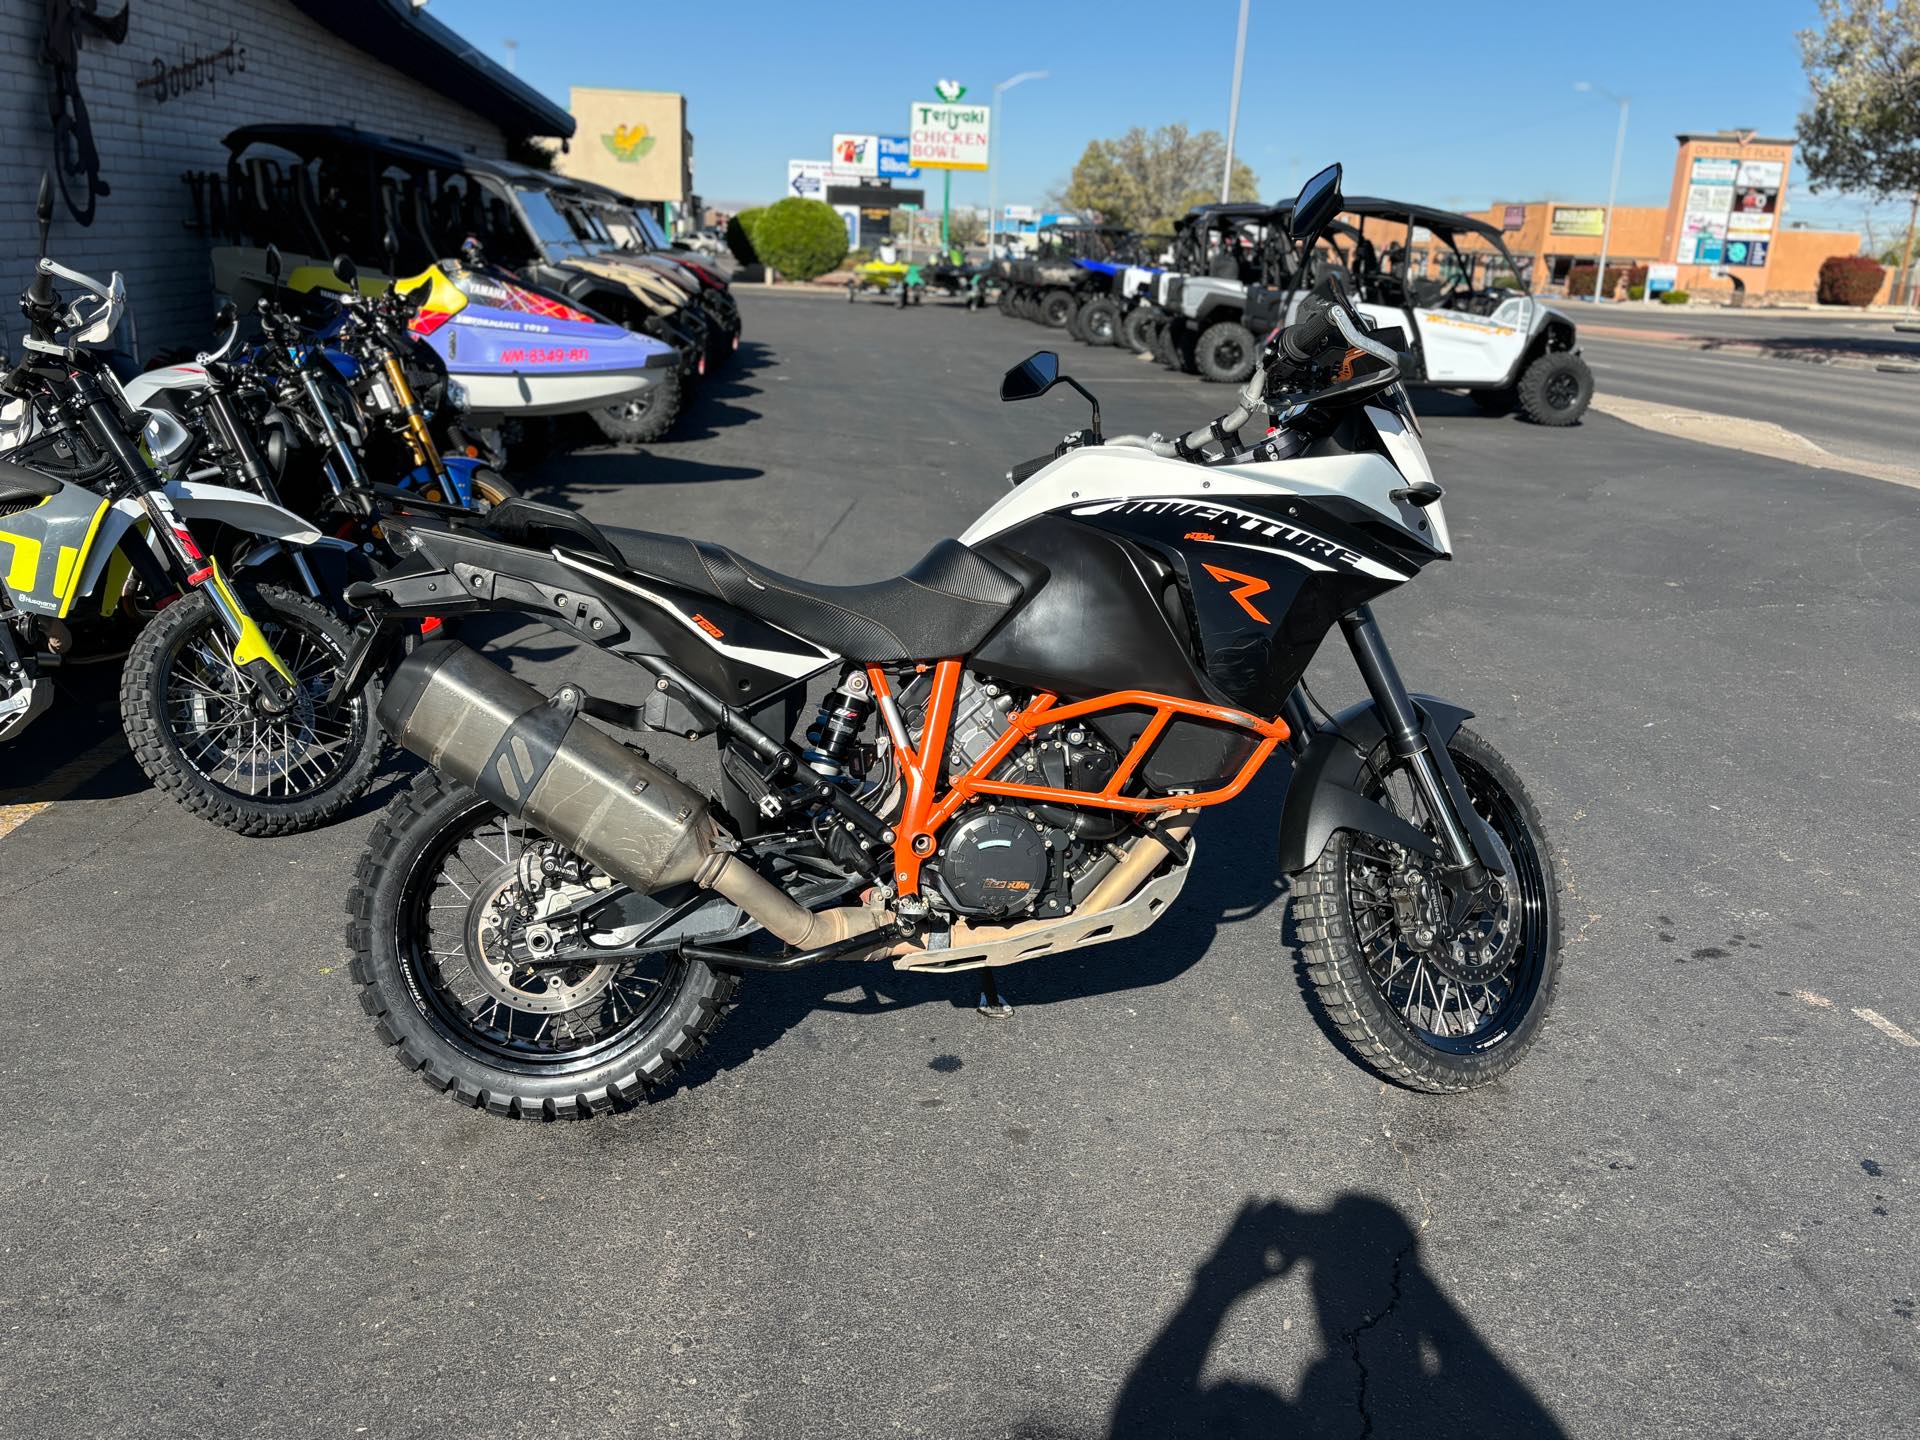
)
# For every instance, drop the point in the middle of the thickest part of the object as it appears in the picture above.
(556, 236)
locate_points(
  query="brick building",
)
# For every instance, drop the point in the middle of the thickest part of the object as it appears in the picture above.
(1725, 225)
(187, 73)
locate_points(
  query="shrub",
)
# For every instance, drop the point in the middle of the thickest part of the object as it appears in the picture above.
(1636, 292)
(740, 236)
(800, 238)
(1850, 280)
(1674, 297)
(1580, 279)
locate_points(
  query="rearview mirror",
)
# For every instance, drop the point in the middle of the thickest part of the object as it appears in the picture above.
(43, 208)
(227, 315)
(273, 263)
(345, 271)
(390, 243)
(1318, 202)
(1033, 376)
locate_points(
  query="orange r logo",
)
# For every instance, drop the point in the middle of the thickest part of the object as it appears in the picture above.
(1247, 586)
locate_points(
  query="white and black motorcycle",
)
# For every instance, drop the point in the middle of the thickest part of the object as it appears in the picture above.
(1020, 732)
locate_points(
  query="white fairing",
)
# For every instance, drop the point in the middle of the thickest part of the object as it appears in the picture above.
(1083, 478)
(141, 389)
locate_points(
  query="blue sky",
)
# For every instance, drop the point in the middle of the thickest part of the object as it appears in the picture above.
(1459, 105)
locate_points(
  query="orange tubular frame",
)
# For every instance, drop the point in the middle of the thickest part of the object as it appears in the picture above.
(922, 815)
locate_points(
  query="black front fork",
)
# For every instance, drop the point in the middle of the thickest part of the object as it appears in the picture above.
(1407, 736)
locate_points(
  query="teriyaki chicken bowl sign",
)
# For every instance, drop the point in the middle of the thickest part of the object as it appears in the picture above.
(948, 136)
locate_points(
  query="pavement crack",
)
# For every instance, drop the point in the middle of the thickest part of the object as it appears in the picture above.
(1352, 1336)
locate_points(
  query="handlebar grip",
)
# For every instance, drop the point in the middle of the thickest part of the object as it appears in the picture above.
(1306, 339)
(1027, 468)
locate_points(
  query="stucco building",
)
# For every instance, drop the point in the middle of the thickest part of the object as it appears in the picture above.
(636, 142)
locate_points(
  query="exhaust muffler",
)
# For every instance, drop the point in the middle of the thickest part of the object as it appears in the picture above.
(539, 762)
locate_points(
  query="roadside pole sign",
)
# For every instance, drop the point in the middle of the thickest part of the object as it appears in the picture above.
(1661, 278)
(944, 136)
(850, 217)
(896, 158)
(857, 154)
(809, 179)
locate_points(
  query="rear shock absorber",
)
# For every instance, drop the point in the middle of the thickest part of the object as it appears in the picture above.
(836, 728)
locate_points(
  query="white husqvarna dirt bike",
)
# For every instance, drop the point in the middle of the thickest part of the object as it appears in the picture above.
(1018, 736)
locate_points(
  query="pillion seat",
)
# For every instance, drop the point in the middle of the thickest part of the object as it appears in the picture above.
(947, 604)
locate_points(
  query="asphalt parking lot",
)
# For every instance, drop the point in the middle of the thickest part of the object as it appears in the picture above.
(1158, 1201)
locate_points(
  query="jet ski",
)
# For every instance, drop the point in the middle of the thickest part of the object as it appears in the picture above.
(519, 351)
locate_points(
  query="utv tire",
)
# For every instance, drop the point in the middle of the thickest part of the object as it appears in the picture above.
(1136, 330)
(1225, 352)
(158, 702)
(646, 417)
(1056, 309)
(1556, 389)
(1100, 322)
(1336, 963)
(428, 1038)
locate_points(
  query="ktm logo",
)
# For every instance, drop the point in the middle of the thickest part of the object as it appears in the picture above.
(1246, 587)
(993, 884)
(1199, 535)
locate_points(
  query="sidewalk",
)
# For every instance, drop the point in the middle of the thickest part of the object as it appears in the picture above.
(1892, 352)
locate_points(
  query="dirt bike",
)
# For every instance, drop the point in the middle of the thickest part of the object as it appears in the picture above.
(1019, 734)
(224, 685)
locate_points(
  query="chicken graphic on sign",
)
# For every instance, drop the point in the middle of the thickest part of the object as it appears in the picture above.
(627, 143)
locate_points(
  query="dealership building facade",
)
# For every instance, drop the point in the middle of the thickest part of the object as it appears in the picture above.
(163, 88)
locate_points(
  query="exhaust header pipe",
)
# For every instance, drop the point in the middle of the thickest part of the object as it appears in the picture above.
(499, 736)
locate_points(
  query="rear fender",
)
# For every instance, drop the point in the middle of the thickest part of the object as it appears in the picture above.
(1324, 795)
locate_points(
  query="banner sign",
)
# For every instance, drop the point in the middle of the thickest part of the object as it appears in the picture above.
(857, 154)
(1730, 212)
(1703, 237)
(896, 158)
(1579, 220)
(1746, 252)
(1016, 212)
(1515, 218)
(1662, 278)
(948, 137)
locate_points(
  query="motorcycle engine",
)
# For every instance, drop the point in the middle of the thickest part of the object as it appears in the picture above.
(1003, 858)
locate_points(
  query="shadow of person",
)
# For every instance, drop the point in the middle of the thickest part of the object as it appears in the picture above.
(1397, 1357)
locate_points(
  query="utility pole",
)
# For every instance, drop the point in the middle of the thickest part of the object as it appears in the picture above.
(1233, 105)
(1906, 265)
(996, 141)
(1613, 187)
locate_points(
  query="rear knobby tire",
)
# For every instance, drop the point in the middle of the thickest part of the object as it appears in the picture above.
(1056, 309)
(1136, 330)
(383, 934)
(1556, 389)
(1100, 321)
(319, 781)
(1346, 985)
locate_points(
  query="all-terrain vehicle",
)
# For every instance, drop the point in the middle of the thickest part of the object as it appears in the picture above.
(1228, 288)
(626, 231)
(1054, 284)
(1450, 282)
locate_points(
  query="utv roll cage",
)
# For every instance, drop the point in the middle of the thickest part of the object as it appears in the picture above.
(1242, 240)
(1390, 276)
(1080, 242)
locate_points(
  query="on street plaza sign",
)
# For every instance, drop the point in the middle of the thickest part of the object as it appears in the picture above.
(948, 137)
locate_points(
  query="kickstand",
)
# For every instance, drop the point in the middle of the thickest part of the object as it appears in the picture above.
(991, 1004)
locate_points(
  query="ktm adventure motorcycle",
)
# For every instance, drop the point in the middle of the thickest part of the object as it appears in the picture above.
(1019, 736)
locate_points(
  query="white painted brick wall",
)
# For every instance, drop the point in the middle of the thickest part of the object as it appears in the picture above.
(296, 71)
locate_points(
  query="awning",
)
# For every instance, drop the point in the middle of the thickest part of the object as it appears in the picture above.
(415, 43)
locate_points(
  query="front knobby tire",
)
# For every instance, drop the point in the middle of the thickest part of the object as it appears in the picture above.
(1556, 389)
(1422, 1033)
(193, 727)
(557, 1047)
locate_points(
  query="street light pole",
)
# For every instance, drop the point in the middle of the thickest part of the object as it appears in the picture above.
(1233, 105)
(996, 138)
(1613, 186)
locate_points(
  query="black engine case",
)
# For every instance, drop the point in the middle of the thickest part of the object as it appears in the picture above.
(993, 864)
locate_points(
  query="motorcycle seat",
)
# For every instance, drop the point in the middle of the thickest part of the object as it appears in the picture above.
(946, 605)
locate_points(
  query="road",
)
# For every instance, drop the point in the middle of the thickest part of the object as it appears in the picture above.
(1158, 1201)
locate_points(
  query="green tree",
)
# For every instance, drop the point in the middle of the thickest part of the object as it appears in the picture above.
(1862, 131)
(1146, 180)
(966, 227)
(799, 238)
(740, 235)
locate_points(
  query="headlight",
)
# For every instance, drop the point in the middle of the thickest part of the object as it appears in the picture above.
(456, 397)
(167, 440)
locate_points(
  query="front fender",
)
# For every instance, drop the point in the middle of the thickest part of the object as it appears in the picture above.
(460, 472)
(241, 509)
(1324, 795)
